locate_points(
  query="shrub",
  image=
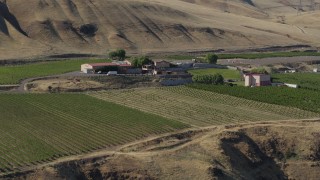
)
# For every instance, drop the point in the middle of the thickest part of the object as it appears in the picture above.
(259, 71)
(88, 29)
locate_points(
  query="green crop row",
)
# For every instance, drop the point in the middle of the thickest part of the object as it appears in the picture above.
(200, 108)
(304, 80)
(37, 128)
(300, 98)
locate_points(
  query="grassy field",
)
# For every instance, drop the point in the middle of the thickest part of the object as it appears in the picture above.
(14, 74)
(226, 73)
(200, 108)
(304, 80)
(38, 128)
(299, 98)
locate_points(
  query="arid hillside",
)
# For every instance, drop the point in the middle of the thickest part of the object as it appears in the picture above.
(274, 150)
(46, 27)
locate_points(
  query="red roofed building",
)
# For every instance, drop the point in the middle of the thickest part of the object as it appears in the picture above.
(257, 80)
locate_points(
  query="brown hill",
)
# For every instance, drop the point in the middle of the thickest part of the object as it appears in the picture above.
(44, 27)
(274, 150)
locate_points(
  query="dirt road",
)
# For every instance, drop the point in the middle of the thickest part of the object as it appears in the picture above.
(267, 61)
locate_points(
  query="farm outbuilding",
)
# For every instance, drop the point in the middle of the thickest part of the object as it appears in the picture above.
(105, 67)
(257, 80)
(161, 64)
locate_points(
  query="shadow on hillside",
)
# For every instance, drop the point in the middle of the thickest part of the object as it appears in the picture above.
(3, 26)
(248, 160)
(6, 15)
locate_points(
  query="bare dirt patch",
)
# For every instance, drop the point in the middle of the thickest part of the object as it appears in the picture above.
(94, 83)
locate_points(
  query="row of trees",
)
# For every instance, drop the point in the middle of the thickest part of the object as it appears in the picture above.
(120, 54)
(216, 79)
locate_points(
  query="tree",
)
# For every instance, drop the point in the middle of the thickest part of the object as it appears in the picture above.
(113, 55)
(211, 58)
(119, 53)
(140, 61)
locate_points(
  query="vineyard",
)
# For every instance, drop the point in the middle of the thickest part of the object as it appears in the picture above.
(299, 98)
(14, 74)
(304, 80)
(38, 128)
(200, 108)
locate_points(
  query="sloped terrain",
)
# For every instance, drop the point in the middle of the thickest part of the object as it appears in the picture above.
(142, 26)
(282, 150)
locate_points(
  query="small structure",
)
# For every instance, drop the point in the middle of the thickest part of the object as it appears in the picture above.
(290, 71)
(291, 85)
(257, 80)
(127, 62)
(147, 68)
(161, 64)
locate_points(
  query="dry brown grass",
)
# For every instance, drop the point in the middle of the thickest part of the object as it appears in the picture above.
(152, 26)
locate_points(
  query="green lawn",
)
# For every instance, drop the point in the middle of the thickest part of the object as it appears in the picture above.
(38, 128)
(304, 80)
(226, 73)
(14, 74)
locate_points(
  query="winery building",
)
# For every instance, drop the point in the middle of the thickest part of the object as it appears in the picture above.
(252, 80)
(105, 67)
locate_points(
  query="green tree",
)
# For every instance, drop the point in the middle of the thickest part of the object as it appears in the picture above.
(120, 54)
(140, 61)
(113, 55)
(211, 58)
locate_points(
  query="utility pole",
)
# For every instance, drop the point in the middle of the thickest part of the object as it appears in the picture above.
(226, 6)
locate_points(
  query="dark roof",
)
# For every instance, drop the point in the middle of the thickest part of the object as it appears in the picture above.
(161, 61)
(109, 64)
(255, 74)
(103, 64)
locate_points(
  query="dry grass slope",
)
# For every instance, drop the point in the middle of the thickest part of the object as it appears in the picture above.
(54, 27)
